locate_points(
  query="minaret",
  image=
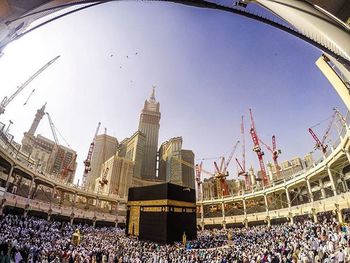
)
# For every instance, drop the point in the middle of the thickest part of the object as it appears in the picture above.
(38, 116)
(149, 126)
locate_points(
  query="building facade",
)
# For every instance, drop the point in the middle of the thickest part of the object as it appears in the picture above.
(105, 147)
(149, 126)
(133, 149)
(290, 167)
(175, 164)
(118, 172)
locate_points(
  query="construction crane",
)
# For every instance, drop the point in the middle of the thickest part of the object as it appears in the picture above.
(5, 102)
(198, 169)
(53, 129)
(242, 171)
(191, 166)
(340, 117)
(63, 170)
(69, 168)
(320, 144)
(104, 180)
(257, 149)
(60, 152)
(221, 173)
(87, 162)
(275, 153)
(230, 157)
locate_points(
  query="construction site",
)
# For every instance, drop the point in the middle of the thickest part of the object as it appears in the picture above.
(251, 184)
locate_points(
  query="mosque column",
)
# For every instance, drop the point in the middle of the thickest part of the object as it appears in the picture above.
(347, 154)
(72, 218)
(339, 213)
(30, 188)
(334, 189)
(309, 190)
(117, 214)
(314, 214)
(49, 216)
(96, 205)
(323, 192)
(266, 205)
(245, 213)
(267, 219)
(32, 194)
(223, 214)
(52, 195)
(343, 182)
(202, 215)
(8, 177)
(288, 199)
(2, 206)
(74, 201)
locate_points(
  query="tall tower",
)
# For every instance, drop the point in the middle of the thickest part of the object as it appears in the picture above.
(28, 140)
(149, 126)
(38, 116)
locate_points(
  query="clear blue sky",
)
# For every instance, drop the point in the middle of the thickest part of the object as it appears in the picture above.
(209, 68)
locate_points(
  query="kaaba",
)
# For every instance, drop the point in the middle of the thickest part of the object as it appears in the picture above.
(162, 213)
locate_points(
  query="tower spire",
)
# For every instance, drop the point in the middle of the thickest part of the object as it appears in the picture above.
(38, 116)
(153, 94)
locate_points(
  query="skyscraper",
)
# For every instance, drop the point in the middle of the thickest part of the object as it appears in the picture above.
(149, 126)
(29, 136)
(170, 167)
(105, 148)
(38, 116)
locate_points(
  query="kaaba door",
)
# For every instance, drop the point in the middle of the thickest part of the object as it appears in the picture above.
(134, 221)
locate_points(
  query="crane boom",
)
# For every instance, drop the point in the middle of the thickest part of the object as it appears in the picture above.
(243, 143)
(87, 162)
(328, 128)
(231, 155)
(240, 166)
(340, 116)
(257, 149)
(7, 100)
(319, 144)
(53, 129)
(274, 146)
(216, 167)
(275, 153)
(267, 147)
(191, 166)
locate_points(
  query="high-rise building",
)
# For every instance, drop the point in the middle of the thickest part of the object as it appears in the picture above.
(118, 172)
(149, 126)
(133, 149)
(169, 164)
(29, 138)
(171, 169)
(105, 147)
(308, 160)
(188, 177)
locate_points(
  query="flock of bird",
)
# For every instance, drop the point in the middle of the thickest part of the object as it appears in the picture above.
(127, 57)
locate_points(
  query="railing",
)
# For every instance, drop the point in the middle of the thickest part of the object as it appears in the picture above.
(45, 207)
